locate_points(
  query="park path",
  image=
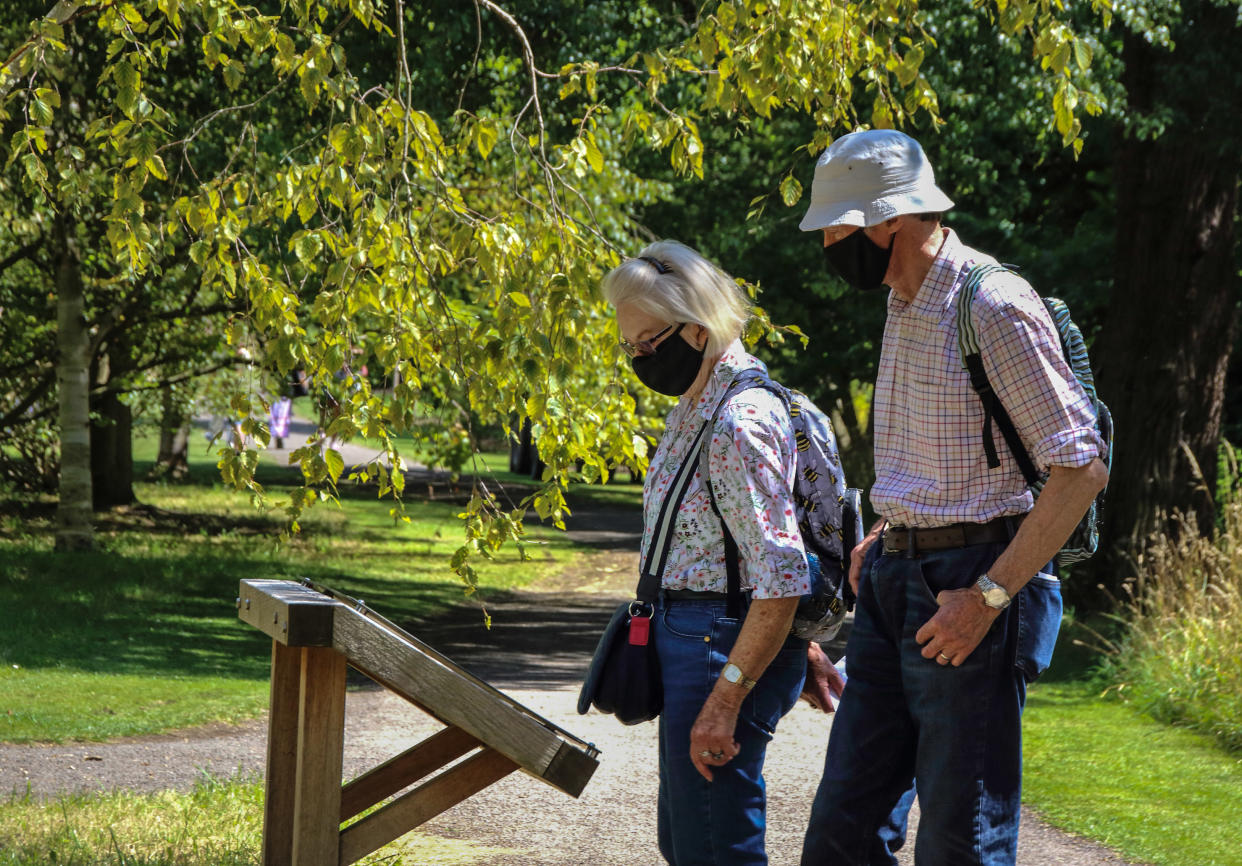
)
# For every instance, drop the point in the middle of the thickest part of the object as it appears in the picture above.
(536, 652)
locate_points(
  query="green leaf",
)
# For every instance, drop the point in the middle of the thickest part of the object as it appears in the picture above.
(486, 134)
(791, 190)
(1082, 54)
(520, 299)
(336, 463)
(593, 154)
(155, 165)
(307, 247)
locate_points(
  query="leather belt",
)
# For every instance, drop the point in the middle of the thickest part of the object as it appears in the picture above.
(912, 542)
(695, 595)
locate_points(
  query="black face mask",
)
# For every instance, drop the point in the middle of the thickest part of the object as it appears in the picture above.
(857, 260)
(672, 368)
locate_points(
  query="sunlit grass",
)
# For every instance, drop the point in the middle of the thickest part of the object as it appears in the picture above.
(1159, 794)
(216, 824)
(142, 635)
(1180, 657)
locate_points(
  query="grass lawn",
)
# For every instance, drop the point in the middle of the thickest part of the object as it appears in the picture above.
(1096, 767)
(142, 635)
(220, 823)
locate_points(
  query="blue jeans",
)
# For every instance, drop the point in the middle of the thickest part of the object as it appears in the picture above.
(717, 823)
(957, 729)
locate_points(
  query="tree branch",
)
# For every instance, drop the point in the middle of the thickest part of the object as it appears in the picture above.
(25, 252)
(20, 61)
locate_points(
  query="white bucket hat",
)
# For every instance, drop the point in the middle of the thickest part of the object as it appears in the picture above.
(867, 177)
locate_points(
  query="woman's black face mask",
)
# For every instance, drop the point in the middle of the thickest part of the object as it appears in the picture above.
(672, 368)
(859, 261)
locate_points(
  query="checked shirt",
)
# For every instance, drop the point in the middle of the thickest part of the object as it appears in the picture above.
(931, 469)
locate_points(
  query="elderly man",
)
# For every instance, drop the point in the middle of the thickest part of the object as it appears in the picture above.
(958, 606)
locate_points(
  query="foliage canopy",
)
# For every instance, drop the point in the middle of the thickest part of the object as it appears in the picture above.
(434, 192)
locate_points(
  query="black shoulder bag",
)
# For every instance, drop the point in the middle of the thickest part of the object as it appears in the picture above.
(624, 677)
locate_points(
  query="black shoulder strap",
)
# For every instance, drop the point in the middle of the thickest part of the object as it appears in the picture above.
(968, 345)
(733, 570)
(656, 558)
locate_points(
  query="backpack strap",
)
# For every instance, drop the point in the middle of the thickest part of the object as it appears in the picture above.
(656, 560)
(968, 345)
(733, 571)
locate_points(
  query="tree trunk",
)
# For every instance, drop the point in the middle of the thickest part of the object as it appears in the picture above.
(1166, 342)
(74, 528)
(112, 453)
(173, 459)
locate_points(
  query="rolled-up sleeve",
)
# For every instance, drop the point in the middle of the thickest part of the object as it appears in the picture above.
(752, 464)
(1023, 359)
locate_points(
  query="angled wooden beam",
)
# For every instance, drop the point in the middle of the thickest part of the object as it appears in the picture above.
(422, 804)
(405, 769)
(411, 668)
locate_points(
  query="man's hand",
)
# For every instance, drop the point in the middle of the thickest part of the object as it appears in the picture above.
(957, 628)
(711, 738)
(824, 682)
(860, 552)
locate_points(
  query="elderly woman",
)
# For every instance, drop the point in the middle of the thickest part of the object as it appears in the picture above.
(727, 681)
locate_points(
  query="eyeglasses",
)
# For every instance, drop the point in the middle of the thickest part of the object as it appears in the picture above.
(647, 347)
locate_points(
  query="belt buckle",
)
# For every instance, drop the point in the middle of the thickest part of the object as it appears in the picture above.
(884, 546)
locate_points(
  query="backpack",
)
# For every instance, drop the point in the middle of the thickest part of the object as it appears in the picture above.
(829, 514)
(1085, 539)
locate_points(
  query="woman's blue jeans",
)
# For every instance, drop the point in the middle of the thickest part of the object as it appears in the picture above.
(957, 729)
(717, 823)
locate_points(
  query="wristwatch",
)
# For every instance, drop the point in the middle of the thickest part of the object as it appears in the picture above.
(995, 596)
(733, 674)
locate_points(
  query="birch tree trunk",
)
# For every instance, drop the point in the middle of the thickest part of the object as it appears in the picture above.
(74, 528)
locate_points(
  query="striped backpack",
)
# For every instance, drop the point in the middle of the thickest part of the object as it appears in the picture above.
(1085, 539)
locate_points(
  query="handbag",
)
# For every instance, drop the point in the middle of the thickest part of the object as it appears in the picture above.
(624, 677)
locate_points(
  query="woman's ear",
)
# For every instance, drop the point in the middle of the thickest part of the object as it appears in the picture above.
(700, 338)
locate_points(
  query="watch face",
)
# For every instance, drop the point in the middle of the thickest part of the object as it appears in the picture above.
(732, 673)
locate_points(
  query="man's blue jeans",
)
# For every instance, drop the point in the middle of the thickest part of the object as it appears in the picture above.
(717, 823)
(957, 729)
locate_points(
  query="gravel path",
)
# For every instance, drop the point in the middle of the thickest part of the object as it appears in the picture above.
(536, 652)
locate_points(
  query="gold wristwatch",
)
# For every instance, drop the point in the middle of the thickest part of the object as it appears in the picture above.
(733, 674)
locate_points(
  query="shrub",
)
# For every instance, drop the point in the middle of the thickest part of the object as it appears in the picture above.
(1181, 657)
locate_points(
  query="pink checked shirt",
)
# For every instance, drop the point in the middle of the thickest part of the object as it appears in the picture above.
(930, 465)
(752, 462)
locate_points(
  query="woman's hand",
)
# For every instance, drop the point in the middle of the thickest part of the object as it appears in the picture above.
(763, 631)
(711, 738)
(824, 682)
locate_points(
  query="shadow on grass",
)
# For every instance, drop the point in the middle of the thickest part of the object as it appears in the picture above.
(107, 613)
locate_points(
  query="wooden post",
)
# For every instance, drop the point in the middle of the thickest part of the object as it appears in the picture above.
(320, 751)
(282, 740)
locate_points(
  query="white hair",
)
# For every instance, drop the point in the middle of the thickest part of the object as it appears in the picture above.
(690, 289)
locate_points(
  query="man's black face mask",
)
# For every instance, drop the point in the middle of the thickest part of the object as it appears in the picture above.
(857, 260)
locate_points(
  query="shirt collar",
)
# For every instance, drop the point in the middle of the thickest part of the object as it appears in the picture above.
(938, 289)
(734, 360)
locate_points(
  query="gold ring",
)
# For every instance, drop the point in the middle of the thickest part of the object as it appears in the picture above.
(945, 657)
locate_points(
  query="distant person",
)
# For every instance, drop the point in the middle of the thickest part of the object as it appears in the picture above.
(958, 608)
(280, 414)
(727, 681)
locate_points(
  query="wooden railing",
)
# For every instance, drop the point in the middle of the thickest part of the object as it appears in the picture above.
(315, 634)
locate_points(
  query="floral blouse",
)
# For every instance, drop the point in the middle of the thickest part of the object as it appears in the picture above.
(752, 461)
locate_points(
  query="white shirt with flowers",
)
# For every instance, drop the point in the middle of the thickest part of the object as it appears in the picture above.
(752, 459)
